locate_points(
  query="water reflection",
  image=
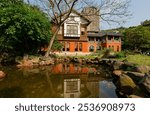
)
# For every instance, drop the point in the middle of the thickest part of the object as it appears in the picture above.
(71, 88)
(72, 69)
(61, 80)
(106, 88)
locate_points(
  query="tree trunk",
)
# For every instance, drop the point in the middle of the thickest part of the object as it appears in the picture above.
(51, 42)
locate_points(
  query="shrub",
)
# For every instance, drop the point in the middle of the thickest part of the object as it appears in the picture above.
(121, 55)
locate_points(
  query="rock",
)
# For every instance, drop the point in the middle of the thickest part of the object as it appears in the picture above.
(146, 82)
(27, 63)
(26, 57)
(117, 72)
(35, 60)
(18, 59)
(136, 76)
(2, 74)
(117, 65)
(134, 96)
(49, 62)
(128, 66)
(42, 63)
(104, 61)
(66, 59)
(7, 59)
(142, 69)
(125, 84)
(75, 60)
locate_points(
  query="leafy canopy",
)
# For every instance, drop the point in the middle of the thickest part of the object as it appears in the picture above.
(137, 38)
(23, 28)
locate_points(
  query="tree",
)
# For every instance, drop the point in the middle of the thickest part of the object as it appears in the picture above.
(146, 23)
(59, 10)
(137, 38)
(23, 28)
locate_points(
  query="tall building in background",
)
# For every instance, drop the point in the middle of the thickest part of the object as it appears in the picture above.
(92, 14)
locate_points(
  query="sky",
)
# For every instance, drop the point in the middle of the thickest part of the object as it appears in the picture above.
(140, 10)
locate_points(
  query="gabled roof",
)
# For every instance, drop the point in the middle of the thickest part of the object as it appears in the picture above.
(101, 34)
(76, 12)
(80, 14)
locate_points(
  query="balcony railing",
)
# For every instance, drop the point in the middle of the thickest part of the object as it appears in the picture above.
(71, 33)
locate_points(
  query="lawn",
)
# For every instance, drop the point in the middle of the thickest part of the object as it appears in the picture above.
(138, 59)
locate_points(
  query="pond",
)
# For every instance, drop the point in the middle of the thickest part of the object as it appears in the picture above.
(57, 81)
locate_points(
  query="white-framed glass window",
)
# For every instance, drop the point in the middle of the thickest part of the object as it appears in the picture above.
(72, 30)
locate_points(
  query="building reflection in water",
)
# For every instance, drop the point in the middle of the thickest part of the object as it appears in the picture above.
(57, 81)
(72, 69)
(71, 88)
(79, 81)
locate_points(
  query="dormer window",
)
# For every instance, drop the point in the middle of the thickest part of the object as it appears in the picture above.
(72, 30)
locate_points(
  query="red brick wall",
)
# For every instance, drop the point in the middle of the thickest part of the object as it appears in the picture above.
(72, 46)
(115, 45)
(85, 47)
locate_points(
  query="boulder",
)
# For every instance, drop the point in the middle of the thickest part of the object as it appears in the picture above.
(2, 74)
(35, 60)
(136, 76)
(117, 65)
(128, 66)
(146, 82)
(134, 96)
(125, 84)
(7, 59)
(49, 62)
(27, 63)
(117, 72)
(75, 60)
(142, 69)
(42, 63)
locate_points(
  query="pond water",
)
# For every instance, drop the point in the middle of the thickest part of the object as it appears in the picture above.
(57, 81)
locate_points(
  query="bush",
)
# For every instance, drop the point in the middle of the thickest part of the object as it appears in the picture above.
(24, 29)
(121, 55)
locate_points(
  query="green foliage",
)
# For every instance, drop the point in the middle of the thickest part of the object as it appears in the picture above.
(23, 28)
(146, 23)
(137, 38)
(120, 54)
(57, 46)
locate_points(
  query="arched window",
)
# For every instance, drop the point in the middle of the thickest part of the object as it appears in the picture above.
(91, 48)
(113, 48)
(63, 46)
(80, 46)
(67, 46)
(98, 48)
(117, 48)
(76, 46)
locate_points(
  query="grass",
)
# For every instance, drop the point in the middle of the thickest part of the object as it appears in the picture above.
(138, 59)
(134, 58)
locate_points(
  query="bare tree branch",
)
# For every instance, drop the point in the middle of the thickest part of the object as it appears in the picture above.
(110, 11)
